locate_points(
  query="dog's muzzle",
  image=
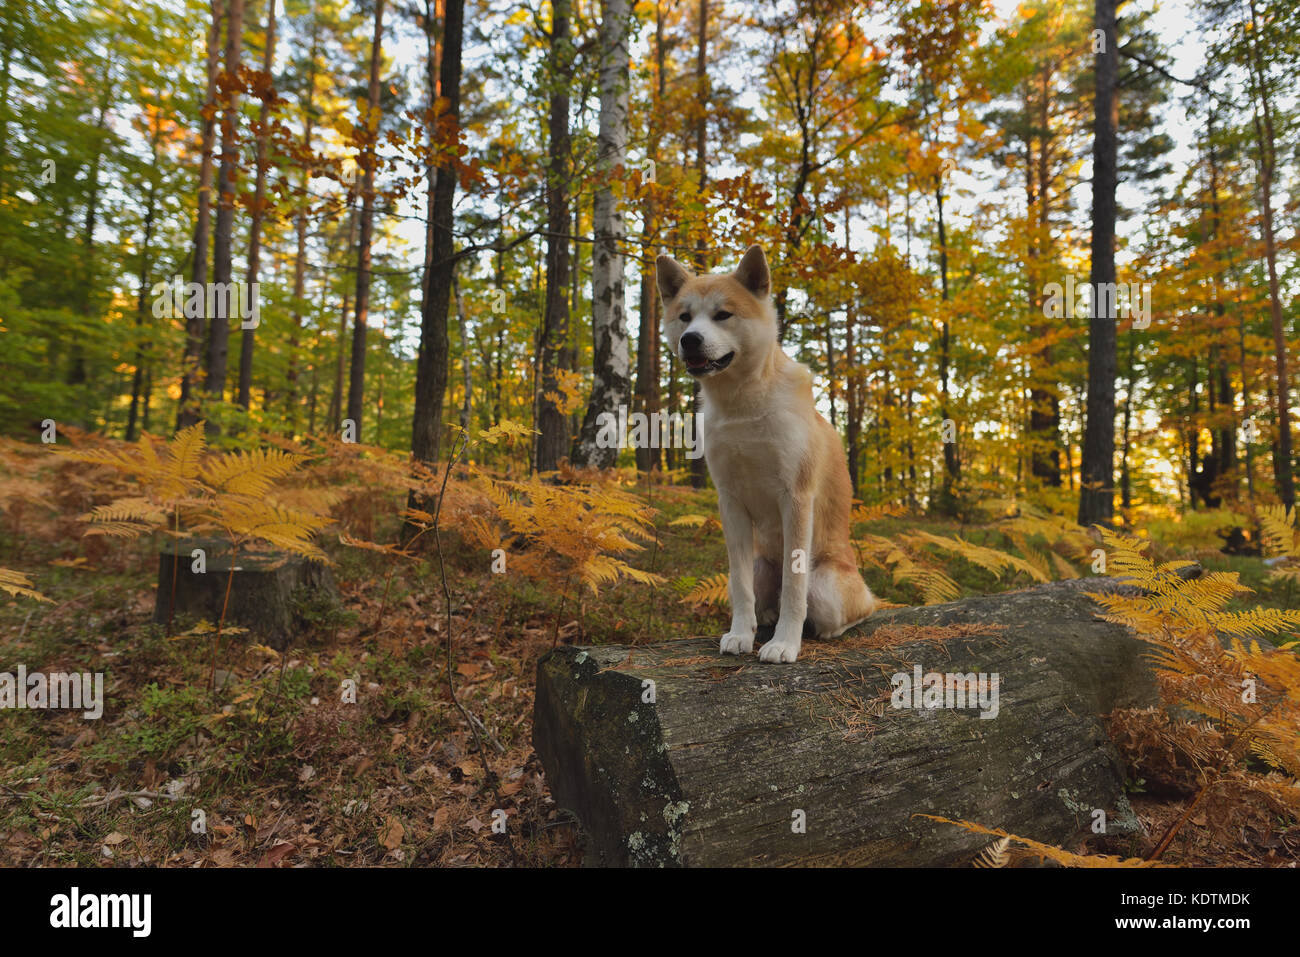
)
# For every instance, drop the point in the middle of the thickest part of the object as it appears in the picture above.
(698, 364)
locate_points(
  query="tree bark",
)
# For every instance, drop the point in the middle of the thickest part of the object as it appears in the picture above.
(670, 754)
(300, 231)
(1264, 137)
(611, 381)
(142, 285)
(196, 325)
(647, 350)
(552, 424)
(369, 157)
(431, 364)
(223, 234)
(247, 338)
(1097, 471)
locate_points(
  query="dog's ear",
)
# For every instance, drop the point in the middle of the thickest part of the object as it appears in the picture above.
(670, 275)
(752, 273)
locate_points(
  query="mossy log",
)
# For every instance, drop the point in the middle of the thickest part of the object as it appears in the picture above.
(266, 590)
(672, 754)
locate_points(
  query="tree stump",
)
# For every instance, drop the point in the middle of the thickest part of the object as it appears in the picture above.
(262, 591)
(672, 754)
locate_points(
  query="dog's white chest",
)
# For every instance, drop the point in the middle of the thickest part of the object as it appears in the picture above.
(753, 457)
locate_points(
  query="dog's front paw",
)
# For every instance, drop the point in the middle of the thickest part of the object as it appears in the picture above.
(737, 643)
(780, 649)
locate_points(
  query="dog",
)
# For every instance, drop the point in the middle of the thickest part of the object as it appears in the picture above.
(779, 466)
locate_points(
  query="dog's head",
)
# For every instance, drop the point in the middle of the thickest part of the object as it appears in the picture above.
(721, 324)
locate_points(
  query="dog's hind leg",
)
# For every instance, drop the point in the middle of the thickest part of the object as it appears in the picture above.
(838, 599)
(767, 590)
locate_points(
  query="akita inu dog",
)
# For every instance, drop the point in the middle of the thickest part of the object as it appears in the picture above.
(782, 478)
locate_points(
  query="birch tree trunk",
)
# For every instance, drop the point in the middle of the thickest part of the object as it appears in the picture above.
(612, 383)
(552, 424)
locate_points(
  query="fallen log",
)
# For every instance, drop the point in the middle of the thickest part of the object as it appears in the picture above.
(266, 589)
(672, 754)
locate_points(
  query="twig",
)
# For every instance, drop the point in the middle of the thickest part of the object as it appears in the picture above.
(115, 795)
(456, 451)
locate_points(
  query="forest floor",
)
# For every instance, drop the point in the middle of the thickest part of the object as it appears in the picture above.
(274, 769)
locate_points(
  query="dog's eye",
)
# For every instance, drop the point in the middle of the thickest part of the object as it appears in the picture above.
(719, 316)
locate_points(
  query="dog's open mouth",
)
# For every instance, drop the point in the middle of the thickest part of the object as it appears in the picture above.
(702, 366)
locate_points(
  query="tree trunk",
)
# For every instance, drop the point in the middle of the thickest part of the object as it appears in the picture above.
(698, 467)
(77, 369)
(300, 230)
(142, 285)
(196, 325)
(1264, 137)
(1044, 407)
(611, 383)
(369, 158)
(247, 340)
(335, 415)
(647, 350)
(670, 754)
(466, 354)
(951, 460)
(1097, 482)
(552, 424)
(222, 236)
(431, 364)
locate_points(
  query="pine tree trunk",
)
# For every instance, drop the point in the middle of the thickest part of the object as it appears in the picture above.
(1263, 120)
(142, 285)
(300, 253)
(951, 460)
(1096, 487)
(223, 234)
(431, 366)
(77, 369)
(247, 339)
(357, 374)
(647, 351)
(195, 326)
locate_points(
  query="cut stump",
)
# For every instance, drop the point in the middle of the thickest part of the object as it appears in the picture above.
(672, 754)
(263, 591)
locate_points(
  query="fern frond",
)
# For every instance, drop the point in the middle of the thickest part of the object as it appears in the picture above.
(284, 528)
(710, 591)
(995, 855)
(250, 473)
(1278, 531)
(135, 510)
(19, 585)
(1047, 851)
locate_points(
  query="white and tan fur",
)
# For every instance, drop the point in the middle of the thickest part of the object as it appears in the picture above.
(779, 467)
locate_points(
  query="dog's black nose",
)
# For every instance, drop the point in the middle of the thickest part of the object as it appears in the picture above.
(691, 341)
